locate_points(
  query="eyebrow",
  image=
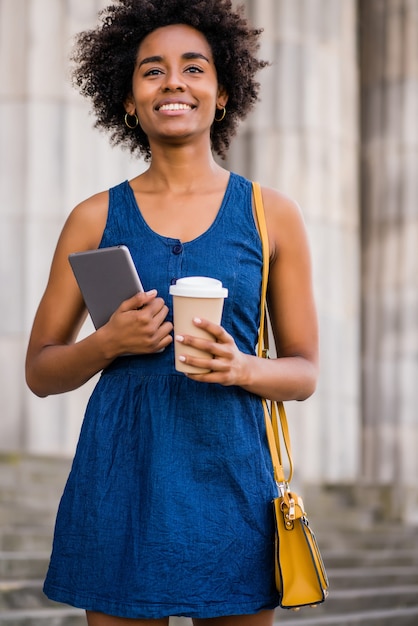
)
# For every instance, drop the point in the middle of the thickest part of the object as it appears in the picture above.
(186, 56)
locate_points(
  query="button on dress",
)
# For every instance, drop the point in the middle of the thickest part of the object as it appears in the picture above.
(168, 506)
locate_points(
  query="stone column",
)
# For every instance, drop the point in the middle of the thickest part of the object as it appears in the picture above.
(389, 87)
(303, 140)
(51, 159)
(13, 50)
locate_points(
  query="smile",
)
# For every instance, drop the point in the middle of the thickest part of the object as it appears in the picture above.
(175, 106)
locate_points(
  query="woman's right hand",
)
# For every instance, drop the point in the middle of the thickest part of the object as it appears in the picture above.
(55, 365)
(138, 326)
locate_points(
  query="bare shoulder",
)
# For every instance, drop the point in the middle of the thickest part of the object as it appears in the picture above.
(284, 218)
(277, 205)
(62, 310)
(89, 217)
(83, 230)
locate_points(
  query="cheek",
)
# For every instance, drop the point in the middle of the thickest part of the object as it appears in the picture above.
(143, 107)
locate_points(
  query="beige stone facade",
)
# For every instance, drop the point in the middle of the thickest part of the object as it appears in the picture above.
(389, 237)
(337, 130)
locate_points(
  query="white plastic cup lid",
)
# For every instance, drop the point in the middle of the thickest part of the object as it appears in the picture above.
(198, 287)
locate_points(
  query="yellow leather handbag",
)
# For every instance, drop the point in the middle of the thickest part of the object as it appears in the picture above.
(301, 578)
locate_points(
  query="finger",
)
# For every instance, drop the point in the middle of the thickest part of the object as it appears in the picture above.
(138, 300)
(209, 346)
(164, 334)
(160, 318)
(216, 330)
(207, 359)
(212, 366)
(154, 327)
(213, 372)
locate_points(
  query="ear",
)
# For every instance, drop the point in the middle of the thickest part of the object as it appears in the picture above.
(222, 98)
(129, 105)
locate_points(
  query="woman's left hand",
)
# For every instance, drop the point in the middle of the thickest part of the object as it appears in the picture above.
(227, 365)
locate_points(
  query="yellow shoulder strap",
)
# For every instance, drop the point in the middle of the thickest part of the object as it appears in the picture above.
(277, 410)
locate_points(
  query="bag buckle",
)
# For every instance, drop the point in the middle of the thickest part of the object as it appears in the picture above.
(283, 489)
(292, 509)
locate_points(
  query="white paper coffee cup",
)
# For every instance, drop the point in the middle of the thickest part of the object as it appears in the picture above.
(195, 296)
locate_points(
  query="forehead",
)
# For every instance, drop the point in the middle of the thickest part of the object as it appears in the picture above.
(176, 38)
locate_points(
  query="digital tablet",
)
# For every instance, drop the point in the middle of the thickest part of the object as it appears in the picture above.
(106, 277)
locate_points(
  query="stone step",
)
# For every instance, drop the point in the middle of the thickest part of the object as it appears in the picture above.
(43, 617)
(23, 565)
(377, 538)
(26, 478)
(25, 538)
(28, 594)
(346, 557)
(344, 601)
(23, 594)
(35, 480)
(354, 577)
(32, 565)
(18, 514)
(74, 617)
(374, 617)
(344, 570)
(59, 617)
(347, 546)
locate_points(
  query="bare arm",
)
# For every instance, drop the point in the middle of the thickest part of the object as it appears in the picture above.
(293, 375)
(55, 361)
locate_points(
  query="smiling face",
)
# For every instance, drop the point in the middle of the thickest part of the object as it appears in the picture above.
(175, 90)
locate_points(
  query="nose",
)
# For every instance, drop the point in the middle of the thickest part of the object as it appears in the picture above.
(173, 81)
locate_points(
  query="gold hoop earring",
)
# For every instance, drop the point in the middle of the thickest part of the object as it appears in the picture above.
(127, 116)
(219, 119)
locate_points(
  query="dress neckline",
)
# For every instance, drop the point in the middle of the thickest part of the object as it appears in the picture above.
(136, 207)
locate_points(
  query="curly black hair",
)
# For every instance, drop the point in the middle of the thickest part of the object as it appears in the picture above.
(104, 60)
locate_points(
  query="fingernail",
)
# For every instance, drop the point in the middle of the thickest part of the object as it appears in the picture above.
(197, 320)
(179, 338)
(182, 358)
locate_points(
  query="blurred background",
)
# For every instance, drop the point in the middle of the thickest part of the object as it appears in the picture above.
(337, 130)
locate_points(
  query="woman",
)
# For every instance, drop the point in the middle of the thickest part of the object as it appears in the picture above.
(167, 510)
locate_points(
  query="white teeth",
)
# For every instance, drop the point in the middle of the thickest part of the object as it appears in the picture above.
(177, 106)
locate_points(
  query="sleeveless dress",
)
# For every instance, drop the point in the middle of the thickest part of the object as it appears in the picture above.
(168, 506)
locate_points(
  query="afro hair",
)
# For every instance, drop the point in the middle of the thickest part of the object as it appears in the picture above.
(104, 60)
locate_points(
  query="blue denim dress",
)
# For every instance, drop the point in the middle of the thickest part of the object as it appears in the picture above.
(167, 510)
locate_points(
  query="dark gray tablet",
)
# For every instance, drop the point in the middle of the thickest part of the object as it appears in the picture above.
(106, 277)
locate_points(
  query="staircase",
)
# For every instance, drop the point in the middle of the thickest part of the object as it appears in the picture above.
(373, 578)
(29, 492)
(373, 571)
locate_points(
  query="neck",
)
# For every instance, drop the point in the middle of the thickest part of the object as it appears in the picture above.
(182, 168)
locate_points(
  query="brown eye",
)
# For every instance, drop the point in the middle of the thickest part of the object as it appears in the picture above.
(194, 70)
(153, 72)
